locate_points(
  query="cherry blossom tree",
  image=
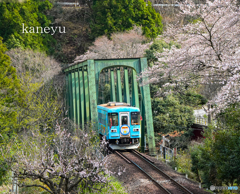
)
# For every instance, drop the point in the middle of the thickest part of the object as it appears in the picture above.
(127, 44)
(59, 162)
(210, 51)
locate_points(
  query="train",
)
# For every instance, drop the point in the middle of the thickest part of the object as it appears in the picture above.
(120, 124)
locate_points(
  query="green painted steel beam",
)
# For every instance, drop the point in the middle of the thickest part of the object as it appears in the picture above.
(119, 86)
(82, 104)
(106, 76)
(86, 96)
(70, 95)
(106, 82)
(96, 83)
(111, 96)
(67, 94)
(148, 111)
(77, 99)
(112, 85)
(126, 86)
(101, 64)
(135, 96)
(102, 88)
(74, 97)
(93, 93)
(142, 141)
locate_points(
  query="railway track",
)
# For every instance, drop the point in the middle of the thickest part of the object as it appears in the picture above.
(164, 182)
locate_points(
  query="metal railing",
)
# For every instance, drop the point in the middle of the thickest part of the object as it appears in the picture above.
(201, 121)
(168, 153)
(67, 4)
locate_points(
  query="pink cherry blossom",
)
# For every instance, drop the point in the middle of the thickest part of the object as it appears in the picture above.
(210, 51)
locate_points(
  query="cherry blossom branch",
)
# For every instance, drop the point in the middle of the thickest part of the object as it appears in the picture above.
(210, 51)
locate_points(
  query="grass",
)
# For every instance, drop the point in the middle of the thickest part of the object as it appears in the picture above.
(5, 189)
(114, 186)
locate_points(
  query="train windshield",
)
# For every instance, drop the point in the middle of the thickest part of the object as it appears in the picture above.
(124, 120)
(113, 119)
(135, 118)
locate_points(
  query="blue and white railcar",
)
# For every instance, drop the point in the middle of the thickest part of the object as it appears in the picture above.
(120, 124)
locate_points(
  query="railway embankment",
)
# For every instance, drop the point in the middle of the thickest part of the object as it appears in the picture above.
(135, 181)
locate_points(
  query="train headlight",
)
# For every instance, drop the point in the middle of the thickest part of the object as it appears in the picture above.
(114, 130)
(136, 129)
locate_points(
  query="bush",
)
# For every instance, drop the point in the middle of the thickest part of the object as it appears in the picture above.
(169, 115)
(216, 161)
(11, 94)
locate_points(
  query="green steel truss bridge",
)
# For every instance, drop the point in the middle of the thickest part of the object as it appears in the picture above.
(83, 93)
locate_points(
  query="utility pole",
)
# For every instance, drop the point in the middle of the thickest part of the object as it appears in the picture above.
(164, 150)
(164, 147)
(209, 114)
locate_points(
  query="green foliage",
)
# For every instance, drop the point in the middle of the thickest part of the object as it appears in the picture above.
(42, 95)
(10, 93)
(11, 96)
(157, 47)
(195, 166)
(169, 115)
(114, 186)
(193, 20)
(226, 151)
(230, 117)
(183, 163)
(217, 160)
(3, 172)
(31, 14)
(106, 92)
(117, 15)
(30, 190)
(191, 98)
(43, 107)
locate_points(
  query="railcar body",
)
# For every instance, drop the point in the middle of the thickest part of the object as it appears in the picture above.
(120, 124)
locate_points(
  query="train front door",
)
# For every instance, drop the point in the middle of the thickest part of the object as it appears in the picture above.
(124, 123)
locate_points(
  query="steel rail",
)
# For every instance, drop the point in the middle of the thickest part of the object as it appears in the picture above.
(158, 184)
(164, 174)
(123, 157)
(143, 156)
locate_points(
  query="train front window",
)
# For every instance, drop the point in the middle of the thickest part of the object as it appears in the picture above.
(135, 118)
(124, 120)
(113, 119)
